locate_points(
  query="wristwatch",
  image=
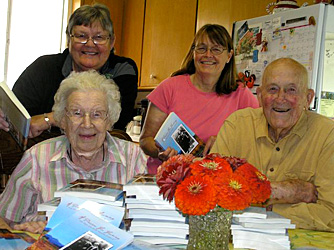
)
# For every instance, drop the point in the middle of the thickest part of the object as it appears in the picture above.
(47, 120)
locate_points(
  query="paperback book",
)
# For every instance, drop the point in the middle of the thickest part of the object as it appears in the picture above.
(83, 230)
(159, 232)
(163, 240)
(151, 218)
(142, 187)
(16, 115)
(14, 240)
(176, 134)
(257, 229)
(50, 205)
(91, 189)
(70, 205)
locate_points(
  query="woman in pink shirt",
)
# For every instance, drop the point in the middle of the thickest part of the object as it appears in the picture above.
(203, 93)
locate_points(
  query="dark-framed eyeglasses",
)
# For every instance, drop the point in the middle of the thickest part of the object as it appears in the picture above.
(84, 38)
(215, 50)
(77, 115)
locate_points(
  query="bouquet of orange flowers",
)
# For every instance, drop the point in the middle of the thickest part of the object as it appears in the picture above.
(228, 182)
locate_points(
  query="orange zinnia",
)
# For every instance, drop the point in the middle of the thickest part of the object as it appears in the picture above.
(196, 195)
(258, 182)
(210, 167)
(233, 192)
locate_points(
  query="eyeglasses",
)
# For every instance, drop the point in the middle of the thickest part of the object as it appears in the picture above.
(77, 115)
(216, 50)
(97, 40)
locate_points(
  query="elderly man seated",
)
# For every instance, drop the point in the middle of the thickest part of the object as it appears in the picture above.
(87, 105)
(293, 146)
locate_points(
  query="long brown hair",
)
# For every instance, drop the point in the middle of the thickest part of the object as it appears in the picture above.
(218, 34)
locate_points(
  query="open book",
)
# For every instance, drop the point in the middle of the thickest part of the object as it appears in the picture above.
(176, 134)
(16, 115)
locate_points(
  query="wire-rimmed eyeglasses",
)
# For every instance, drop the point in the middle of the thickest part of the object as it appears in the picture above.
(84, 38)
(77, 115)
(215, 50)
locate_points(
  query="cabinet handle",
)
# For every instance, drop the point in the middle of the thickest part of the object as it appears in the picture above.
(152, 76)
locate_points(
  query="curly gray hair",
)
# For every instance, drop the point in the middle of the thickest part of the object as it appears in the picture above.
(87, 81)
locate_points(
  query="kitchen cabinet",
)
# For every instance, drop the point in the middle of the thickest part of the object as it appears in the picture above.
(157, 34)
(168, 32)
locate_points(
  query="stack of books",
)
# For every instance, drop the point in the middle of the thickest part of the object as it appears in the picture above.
(81, 224)
(153, 219)
(96, 191)
(257, 229)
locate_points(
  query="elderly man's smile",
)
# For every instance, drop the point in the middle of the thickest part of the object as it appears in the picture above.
(281, 110)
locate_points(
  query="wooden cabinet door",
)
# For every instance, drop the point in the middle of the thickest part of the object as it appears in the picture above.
(132, 35)
(168, 32)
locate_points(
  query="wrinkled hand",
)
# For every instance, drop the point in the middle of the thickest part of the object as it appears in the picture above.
(169, 152)
(209, 145)
(293, 191)
(37, 126)
(3, 124)
(32, 226)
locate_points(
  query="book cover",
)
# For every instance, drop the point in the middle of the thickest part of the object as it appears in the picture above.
(14, 240)
(92, 189)
(16, 115)
(83, 230)
(142, 186)
(176, 134)
(70, 205)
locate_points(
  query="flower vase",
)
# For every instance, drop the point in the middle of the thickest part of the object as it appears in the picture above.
(210, 231)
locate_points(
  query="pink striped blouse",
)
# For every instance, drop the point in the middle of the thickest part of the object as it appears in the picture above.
(46, 167)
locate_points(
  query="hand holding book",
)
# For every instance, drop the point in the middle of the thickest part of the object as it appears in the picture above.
(177, 136)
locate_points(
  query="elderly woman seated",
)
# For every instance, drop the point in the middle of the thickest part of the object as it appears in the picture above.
(86, 106)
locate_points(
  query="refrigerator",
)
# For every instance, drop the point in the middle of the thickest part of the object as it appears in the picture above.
(305, 34)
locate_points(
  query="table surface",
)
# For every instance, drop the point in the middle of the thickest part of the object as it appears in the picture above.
(300, 238)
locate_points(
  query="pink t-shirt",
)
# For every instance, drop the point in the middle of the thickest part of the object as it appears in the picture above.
(203, 112)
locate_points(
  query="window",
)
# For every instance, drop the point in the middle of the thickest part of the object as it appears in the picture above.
(36, 28)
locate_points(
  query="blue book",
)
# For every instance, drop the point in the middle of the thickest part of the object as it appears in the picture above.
(14, 240)
(83, 230)
(92, 189)
(176, 134)
(70, 205)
